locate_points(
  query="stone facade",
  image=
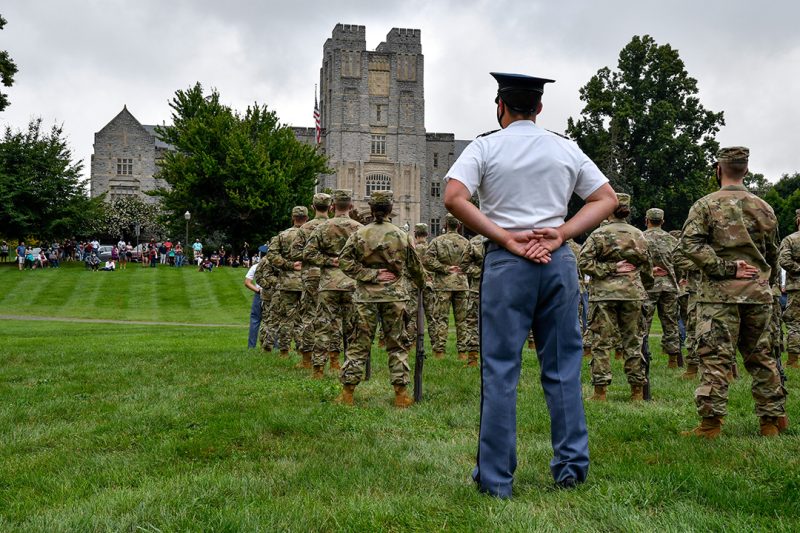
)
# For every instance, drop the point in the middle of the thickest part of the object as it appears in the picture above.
(372, 109)
(125, 158)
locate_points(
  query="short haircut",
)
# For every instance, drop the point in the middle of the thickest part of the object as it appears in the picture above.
(734, 170)
(655, 222)
(622, 212)
(452, 223)
(341, 205)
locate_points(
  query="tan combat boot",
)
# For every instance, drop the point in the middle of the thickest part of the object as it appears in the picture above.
(793, 362)
(318, 372)
(637, 393)
(617, 354)
(783, 423)
(587, 352)
(472, 359)
(531, 345)
(462, 356)
(346, 397)
(709, 428)
(599, 393)
(306, 361)
(690, 372)
(770, 426)
(673, 361)
(401, 398)
(334, 358)
(284, 353)
(438, 355)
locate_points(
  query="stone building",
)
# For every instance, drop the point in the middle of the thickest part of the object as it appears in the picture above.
(372, 110)
(125, 156)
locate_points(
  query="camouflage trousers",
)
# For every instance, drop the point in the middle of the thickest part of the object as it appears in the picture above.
(395, 321)
(287, 311)
(334, 322)
(459, 300)
(667, 305)
(606, 317)
(791, 316)
(588, 340)
(308, 315)
(471, 322)
(268, 331)
(721, 329)
(778, 346)
(691, 336)
(428, 305)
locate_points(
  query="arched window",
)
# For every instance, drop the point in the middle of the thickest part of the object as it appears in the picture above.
(378, 182)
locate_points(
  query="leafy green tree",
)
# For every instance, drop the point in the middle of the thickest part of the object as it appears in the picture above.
(238, 175)
(784, 197)
(41, 194)
(646, 129)
(757, 184)
(7, 70)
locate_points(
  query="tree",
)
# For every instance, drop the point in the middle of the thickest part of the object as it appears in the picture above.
(238, 175)
(120, 217)
(7, 70)
(646, 129)
(784, 197)
(40, 190)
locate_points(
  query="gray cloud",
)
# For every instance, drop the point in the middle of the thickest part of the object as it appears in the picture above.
(80, 61)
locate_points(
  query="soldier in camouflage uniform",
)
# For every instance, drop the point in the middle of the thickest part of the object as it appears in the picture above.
(664, 294)
(334, 314)
(789, 259)
(683, 296)
(616, 257)
(690, 279)
(731, 235)
(267, 278)
(443, 259)
(378, 256)
(310, 276)
(290, 284)
(428, 295)
(473, 266)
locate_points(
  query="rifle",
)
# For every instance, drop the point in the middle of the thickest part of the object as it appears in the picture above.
(420, 356)
(646, 357)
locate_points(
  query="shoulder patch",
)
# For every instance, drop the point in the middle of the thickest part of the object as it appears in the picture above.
(487, 133)
(559, 134)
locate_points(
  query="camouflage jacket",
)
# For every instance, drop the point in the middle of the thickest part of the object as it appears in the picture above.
(308, 272)
(445, 251)
(605, 247)
(660, 244)
(726, 226)
(473, 262)
(422, 249)
(789, 260)
(323, 248)
(281, 258)
(381, 246)
(686, 269)
(266, 276)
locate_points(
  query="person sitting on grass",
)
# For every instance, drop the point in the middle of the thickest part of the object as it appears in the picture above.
(111, 265)
(206, 264)
(30, 258)
(93, 262)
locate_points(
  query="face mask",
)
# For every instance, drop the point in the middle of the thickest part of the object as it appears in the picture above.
(719, 177)
(500, 113)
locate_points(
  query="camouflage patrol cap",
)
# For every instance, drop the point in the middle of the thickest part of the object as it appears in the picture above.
(450, 217)
(733, 154)
(655, 214)
(299, 211)
(381, 198)
(421, 228)
(624, 199)
(342, 195)
(321, 199)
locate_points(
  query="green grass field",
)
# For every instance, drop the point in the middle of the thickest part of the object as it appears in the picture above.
(140, 427)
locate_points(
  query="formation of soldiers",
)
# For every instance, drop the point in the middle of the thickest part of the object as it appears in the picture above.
(332, 281)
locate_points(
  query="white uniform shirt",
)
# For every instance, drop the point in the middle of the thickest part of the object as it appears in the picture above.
(525, 175)
(251, 274)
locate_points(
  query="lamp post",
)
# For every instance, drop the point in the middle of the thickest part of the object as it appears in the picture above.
(187, 215)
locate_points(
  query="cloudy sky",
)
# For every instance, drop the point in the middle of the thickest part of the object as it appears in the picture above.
(80, 61)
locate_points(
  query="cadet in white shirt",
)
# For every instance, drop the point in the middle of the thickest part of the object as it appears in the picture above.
(525, 176)
(255, 307)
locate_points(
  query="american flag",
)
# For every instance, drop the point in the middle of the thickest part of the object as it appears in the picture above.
(317, 125)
